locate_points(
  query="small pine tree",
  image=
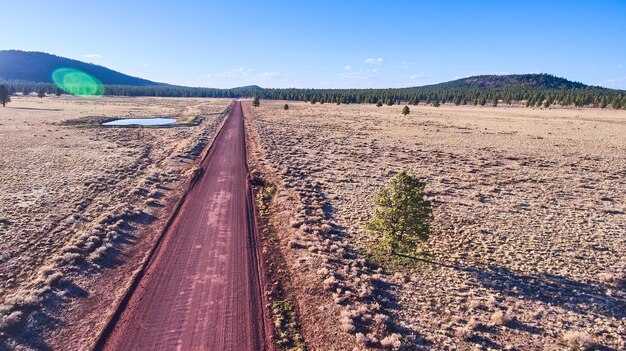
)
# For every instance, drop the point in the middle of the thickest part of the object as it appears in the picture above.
(256, 102)
(4, 95)
(379, 104)
(41, 93)
(286, 107)
(436, 103)
(26, 91)
(495, 101)
(482, 101)
(403, 215)
(406, 110)
(546, 103)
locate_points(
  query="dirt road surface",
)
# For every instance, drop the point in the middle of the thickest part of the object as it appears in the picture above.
(202, 289)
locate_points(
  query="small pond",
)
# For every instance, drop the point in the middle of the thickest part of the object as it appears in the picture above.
(141, 122)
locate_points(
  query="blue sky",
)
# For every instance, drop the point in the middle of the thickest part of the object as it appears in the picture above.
(321, 44)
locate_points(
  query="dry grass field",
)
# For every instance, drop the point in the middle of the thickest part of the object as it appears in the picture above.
(528, 244)
(80, 206)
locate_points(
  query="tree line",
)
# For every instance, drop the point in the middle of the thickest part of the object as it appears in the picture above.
(435, 95)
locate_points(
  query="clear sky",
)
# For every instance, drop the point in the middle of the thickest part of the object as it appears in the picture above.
(320, 44)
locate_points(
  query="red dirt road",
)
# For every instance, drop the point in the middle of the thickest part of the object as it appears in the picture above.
(202, 288)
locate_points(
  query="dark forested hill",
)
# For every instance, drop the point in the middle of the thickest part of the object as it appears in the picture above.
(536, 81)
(38, 67)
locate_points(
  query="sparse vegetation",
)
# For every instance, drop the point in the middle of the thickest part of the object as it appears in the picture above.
(286, 326)
(486, 213)
(99, 188)
(403, 215)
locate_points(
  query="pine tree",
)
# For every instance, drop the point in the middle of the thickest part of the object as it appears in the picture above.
(41, 93)
(403, 214)
(256, 102)
(379, 104)
(406, 110)
(4, 95)
(286, 107)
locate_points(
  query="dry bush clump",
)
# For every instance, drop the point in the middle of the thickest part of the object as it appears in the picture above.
(577, 340)
(529, 212)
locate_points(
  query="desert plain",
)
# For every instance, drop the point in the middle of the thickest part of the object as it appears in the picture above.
(529, 234)
(80, 206)
(526, 250)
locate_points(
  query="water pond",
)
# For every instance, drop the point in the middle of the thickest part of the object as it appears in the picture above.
(141, 122)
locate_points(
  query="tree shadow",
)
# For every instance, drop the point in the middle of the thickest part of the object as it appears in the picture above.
(564, 292)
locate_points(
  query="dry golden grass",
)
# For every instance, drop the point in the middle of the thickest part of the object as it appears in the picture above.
(74, 201)
(529, 204)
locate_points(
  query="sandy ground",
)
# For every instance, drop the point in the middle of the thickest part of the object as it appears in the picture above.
(528, 243)
(79, 206)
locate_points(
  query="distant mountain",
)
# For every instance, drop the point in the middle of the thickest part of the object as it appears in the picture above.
(534, 81)
(37, 67)
(252, 87)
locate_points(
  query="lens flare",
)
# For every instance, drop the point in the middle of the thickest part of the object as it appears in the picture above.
(75, 82)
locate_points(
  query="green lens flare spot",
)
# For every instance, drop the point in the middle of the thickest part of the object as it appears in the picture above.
(75, 82)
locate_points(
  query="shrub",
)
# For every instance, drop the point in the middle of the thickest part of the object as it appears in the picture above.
(463, 333)
(403, 215)
(286, 107)
(577, 340)
(501, 318)
(406, 110)
(392, 341)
